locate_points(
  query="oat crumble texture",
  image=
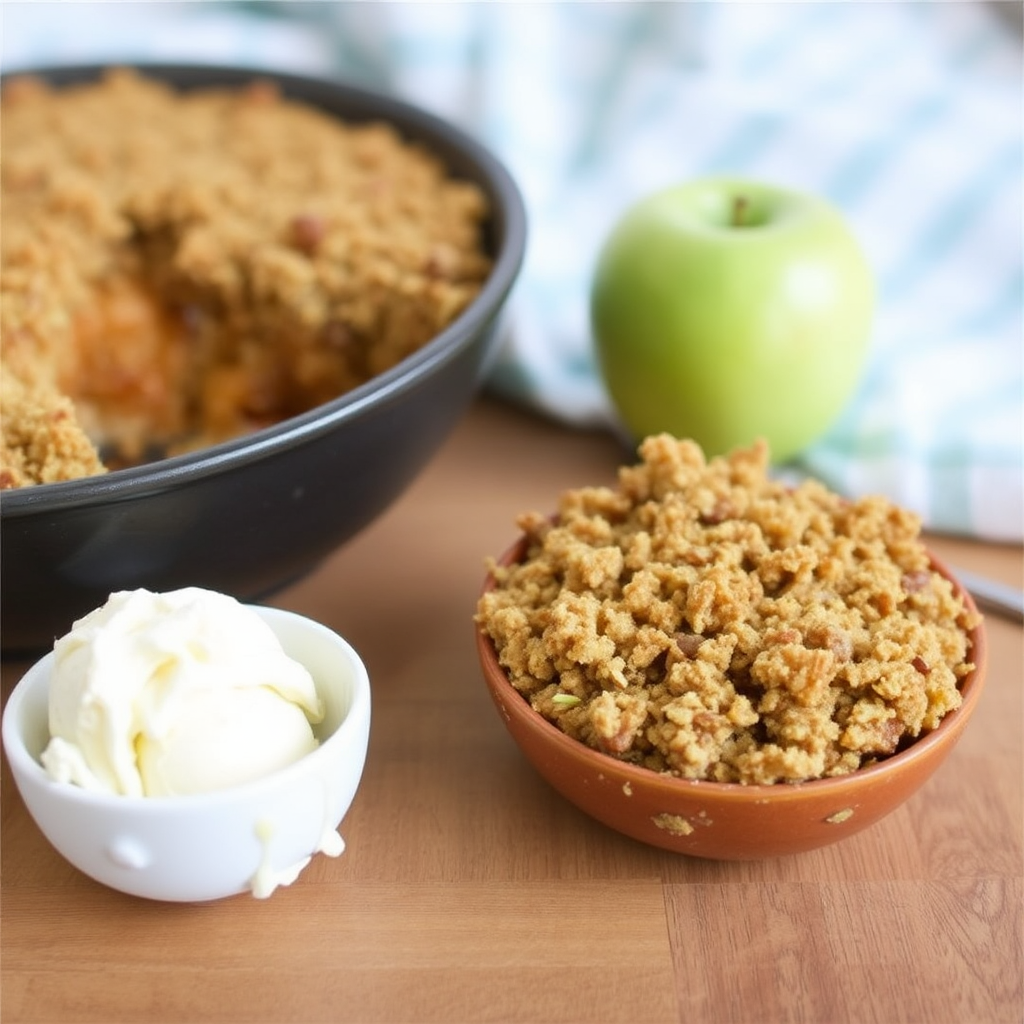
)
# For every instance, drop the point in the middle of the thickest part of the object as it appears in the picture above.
(716, 624)
(180, 268)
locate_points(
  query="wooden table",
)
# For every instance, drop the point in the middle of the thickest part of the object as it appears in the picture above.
(470, 891)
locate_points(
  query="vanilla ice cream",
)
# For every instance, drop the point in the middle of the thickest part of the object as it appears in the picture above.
(175, 693)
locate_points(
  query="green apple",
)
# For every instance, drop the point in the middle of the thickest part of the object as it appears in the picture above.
(726, 310)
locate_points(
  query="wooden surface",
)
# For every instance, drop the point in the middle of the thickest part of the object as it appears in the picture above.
(470, 891)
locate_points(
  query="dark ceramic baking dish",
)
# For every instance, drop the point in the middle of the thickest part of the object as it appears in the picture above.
(249, 516)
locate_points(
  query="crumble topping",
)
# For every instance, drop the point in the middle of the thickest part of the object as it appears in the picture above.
(705, 620)
(179, 268)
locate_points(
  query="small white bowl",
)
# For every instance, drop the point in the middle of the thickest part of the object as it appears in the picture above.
(252, 837)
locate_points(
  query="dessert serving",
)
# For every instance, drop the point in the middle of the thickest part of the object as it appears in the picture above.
(182, 746)
(707, 622)
(183, 267)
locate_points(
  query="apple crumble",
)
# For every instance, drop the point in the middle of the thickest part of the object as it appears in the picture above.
(704, 620)
(179, 268)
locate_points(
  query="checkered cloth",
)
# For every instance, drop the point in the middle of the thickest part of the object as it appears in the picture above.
(907, 116)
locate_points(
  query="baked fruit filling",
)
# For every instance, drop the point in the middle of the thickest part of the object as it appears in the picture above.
(181, 268)
(149, 376)
(126, 371)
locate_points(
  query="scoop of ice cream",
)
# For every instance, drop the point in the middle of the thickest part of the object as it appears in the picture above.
(175, 693)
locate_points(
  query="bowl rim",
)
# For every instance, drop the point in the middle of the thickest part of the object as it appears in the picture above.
(38, 675)
(948, 729)
(413, 122)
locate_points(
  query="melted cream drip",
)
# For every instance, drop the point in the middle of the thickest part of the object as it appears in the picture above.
(266, 879)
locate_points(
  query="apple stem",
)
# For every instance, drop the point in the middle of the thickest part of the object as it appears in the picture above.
(739, 209)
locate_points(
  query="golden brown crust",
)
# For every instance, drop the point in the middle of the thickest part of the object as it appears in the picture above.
(705, 620)
(273, 257)
(41, 440)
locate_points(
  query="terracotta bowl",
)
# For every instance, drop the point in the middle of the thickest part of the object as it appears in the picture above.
(724, 821)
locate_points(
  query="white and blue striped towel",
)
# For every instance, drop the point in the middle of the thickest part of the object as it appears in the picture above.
(907, 115)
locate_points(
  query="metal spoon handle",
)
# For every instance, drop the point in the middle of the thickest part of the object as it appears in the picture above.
(993, 596)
